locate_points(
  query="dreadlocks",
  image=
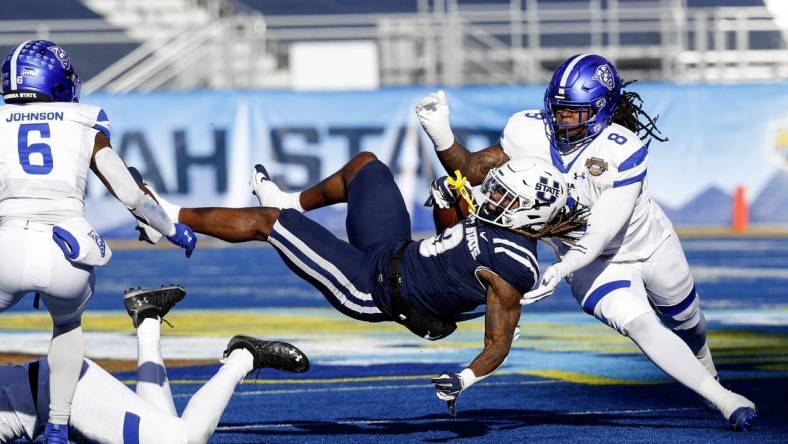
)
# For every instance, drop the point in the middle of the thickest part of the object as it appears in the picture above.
(628, 113)
(563, 225)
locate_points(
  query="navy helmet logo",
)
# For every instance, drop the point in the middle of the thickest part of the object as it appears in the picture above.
(547, 193)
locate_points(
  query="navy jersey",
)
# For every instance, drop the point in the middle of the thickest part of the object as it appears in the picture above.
(439, 273)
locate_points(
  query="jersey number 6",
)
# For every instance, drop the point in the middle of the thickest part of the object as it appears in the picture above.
(26, 149)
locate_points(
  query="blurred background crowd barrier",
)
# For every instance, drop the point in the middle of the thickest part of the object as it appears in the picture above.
(199, 90)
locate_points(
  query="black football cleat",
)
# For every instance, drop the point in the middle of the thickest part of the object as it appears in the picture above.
(144, 303)
(270, 354)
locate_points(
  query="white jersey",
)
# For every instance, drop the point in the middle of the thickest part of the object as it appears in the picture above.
(616, 157)
(44, 165)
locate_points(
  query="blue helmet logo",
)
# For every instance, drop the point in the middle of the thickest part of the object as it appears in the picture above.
(39, 71)
(604, 76)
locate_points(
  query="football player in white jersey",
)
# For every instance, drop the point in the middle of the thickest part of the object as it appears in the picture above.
(107, 411)
(50, 140)
(627, 268)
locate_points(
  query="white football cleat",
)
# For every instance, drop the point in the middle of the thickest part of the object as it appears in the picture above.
(739, 411)
(268, 193)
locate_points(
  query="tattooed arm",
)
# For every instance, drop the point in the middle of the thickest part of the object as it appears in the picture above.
(500, 321)
(433, 113)
(473, 165)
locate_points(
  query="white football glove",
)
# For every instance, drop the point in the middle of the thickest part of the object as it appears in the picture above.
(550, 279)
(433, 113)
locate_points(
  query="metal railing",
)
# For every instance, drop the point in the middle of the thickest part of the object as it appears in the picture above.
(444, 42)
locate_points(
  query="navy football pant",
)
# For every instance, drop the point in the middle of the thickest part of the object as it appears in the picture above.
(343, 271)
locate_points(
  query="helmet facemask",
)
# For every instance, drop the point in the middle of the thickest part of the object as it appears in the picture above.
(569, 137)
(499, 204)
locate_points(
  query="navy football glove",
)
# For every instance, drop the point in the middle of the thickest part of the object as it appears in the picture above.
(184, 237)
(448, 385)
(441, 194)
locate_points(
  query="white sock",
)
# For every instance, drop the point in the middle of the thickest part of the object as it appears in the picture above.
(66, 353)
(152, 383)
(294, 201)
(704, 356)
(205, 408)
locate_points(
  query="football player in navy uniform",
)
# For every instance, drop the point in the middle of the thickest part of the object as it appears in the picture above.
(627, 268)
(381, 274)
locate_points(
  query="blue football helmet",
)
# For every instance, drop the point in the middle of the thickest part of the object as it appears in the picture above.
(584, 83)
(39, 71)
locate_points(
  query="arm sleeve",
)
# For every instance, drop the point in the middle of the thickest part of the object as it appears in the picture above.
(608, 215)
(126, 190)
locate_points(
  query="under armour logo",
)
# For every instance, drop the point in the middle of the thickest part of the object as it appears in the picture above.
(580, 175)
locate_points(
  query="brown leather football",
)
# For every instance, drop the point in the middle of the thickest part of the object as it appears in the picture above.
(447, 217)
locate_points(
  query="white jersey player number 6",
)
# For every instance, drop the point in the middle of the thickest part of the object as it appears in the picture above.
(27, 150)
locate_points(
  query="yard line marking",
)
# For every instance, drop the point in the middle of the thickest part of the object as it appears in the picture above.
(231, 428)
(360, 388)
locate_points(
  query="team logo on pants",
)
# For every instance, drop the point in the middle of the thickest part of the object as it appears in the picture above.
(596, 166)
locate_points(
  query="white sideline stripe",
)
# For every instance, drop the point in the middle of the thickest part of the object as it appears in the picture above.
(454, 420)
(362, 388)
(565, 76)
(14, 58)
(335, 291)
(328, 266)
(525, 262)
(508, 243)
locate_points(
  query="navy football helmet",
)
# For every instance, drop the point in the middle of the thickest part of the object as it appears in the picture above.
(589, 85)
(39, 71)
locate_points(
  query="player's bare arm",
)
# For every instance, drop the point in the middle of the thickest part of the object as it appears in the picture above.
(500, 320)
(231, 224)
(473, 165)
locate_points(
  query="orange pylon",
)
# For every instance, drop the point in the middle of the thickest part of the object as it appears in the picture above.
(741, 211)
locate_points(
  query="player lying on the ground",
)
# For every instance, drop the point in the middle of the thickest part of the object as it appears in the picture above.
(49, 141)
(106, 411)
(381, 274)
(627, 268)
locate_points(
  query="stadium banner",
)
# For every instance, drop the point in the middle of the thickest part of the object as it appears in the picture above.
(198, 148)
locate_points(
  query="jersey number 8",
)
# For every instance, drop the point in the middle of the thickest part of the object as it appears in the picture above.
(27, 149)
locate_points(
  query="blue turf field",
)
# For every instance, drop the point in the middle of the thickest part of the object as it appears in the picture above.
(568, 379)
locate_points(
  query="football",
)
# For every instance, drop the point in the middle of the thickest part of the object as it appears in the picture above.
(447, 217)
